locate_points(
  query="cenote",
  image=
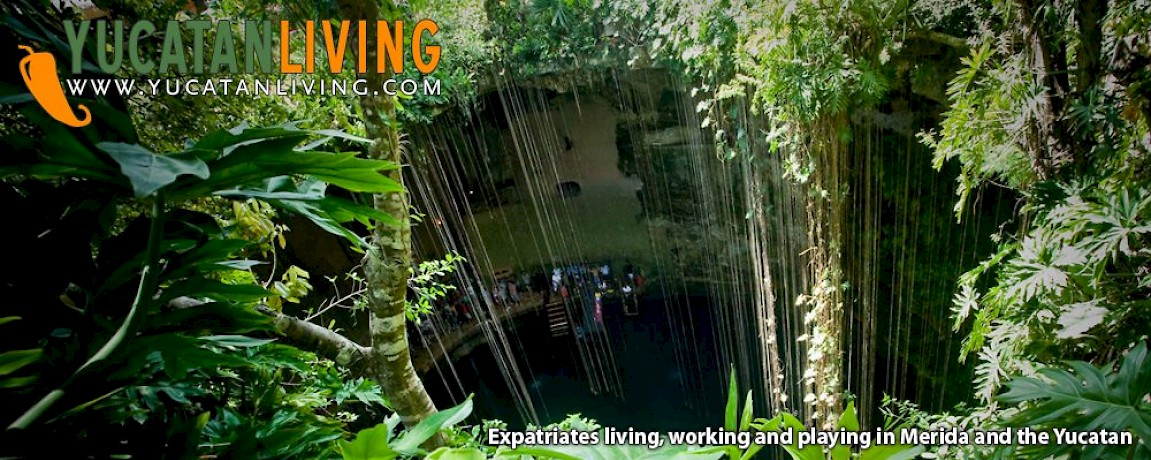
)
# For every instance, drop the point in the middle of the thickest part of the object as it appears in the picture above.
(668, 216)
(653, 380)
(613, 169)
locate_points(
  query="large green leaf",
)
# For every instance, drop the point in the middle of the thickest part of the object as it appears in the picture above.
(892, 452)
(210, 256)
(212, 316)
(223, 139)
(19, 382)
(630, 452)
(236, 341)
(457, 453)
(313, 212)
(179, 355)
(409, 442)
(149, 172)
(204, 288)
(847, 421)
(370, 444)
(785, 421)
(1087, 398)
(243, 133)
(731, 411)
(263, 161)
(63, 154)
(308, 198)
(12, 361)
(243, 157)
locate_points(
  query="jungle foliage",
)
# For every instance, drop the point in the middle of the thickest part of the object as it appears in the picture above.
(145, 322)
(143, 344)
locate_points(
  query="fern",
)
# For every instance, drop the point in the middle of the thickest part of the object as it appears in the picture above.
(1088, 398)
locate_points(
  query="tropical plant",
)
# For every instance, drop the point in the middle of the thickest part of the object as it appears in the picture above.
(156, 335)
(1072, 284)
(1085, 399)
(381, 442)
(150, 342)
(737, 420)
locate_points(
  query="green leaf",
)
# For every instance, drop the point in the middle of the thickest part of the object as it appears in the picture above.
(344, 211)
(236, 341)
(149, 172)
(12, 361)
(537, 452)
(1087, 398)
(65, 154)
(457, 453)
(212, 316)
(745, 419)
(251, 165)
(730, 414)
(308, 199)
(243, 134)
(1078, 318)
(201, 288)
(218, 140)
(18, 382)
(849, 422)
(809, 452)
(370, 444)
(893, 452)
(213, 255)
(319, 217)
(630, 452)
(8, 319)
(409, 442)
(180, 355)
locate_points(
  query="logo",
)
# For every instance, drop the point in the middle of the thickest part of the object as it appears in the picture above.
(206, 58)
(39, 72)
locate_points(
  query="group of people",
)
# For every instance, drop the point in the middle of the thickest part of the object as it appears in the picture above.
(589, 282)
(595, 278)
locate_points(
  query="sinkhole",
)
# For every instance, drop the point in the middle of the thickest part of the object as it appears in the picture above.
(650, 363)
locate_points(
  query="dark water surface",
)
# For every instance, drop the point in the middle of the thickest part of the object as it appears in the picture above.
(664, 355)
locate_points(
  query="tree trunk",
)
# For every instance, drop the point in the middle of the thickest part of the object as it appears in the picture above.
(1049, 142)
(389, 263)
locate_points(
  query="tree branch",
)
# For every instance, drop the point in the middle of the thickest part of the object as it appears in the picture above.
(304, 335)
(317, 339)
(941, 38)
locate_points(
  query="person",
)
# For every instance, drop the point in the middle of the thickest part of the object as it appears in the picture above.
(539, 281)
(465, 312)
(557, 277)
(487, 295)
(639, 281)
(470, 296)
(598, 308)
(450, 316)
(605, 270)
(630, 270)
(513, 292)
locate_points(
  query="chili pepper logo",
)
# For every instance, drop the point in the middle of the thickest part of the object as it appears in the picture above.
(39, 72)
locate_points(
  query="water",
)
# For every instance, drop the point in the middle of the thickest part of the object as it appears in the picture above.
(659, 392)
